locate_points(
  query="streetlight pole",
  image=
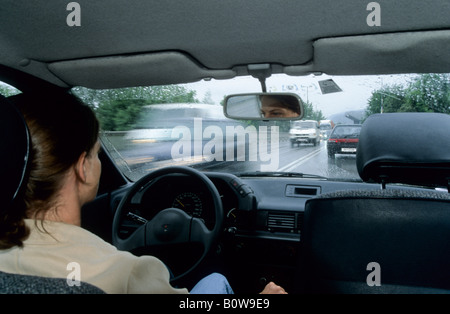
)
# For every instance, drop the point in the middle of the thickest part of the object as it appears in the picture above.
(381, 96)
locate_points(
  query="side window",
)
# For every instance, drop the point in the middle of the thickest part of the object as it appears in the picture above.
(8, 90)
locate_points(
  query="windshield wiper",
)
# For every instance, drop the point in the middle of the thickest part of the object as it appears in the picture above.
(279, 174)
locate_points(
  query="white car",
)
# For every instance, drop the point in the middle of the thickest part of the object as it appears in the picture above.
(305, 131)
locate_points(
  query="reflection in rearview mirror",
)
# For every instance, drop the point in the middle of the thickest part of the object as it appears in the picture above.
(263, 106)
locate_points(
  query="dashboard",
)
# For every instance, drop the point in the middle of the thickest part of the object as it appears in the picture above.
(268, 207)
(262, 225)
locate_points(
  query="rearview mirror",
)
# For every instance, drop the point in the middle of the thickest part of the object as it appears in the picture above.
(264, 106)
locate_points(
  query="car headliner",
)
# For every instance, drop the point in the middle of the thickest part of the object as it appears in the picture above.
(122, 43)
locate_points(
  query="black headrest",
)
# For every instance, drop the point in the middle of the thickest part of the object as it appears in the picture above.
(410, 148)
(15, 146)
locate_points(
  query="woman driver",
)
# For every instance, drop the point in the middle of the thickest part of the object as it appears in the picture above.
(41, 235)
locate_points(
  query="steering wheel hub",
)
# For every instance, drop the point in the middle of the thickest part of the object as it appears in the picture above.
(169, 225)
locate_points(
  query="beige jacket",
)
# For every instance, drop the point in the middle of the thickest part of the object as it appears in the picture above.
(101, 264)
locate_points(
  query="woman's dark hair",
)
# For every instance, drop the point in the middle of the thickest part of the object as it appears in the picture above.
(61, 129)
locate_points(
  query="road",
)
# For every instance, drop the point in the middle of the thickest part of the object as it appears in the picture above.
(305, 158)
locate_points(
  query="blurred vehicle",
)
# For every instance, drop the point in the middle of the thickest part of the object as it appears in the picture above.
(343, 139)
(325, 126)
(156, 122)
(172, 134)
(304, 132)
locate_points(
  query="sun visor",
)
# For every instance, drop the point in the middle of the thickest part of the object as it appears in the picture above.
(160, 68)
(409, 52)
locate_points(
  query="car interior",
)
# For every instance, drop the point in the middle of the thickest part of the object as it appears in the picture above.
(389, 232)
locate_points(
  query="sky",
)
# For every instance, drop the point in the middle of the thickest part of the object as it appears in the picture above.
(356, 90)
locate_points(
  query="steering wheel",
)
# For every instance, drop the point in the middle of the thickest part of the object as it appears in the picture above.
(171, 225)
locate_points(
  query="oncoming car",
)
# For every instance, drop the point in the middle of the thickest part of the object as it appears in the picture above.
(248, 205)
(343, 140)
(306, 131)
(325, 126)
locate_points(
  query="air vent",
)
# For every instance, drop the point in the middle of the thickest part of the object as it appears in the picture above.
(284, 221)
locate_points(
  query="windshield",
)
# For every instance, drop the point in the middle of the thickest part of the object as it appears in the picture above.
(145, 128)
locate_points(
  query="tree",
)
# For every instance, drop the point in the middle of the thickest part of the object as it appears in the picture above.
(118, 109)
(207, 99)
(119, 114)
(430, 92)
(388, 99)
(425, 93)
(310, 113)
(169, 94)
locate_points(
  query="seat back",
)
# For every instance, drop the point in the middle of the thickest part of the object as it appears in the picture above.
(24, 284)
(16, 145)
(390, 240)
(14, 162)
(407, 233)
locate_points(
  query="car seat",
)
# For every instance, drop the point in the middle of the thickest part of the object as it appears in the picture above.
(15, 158)
(385, 238)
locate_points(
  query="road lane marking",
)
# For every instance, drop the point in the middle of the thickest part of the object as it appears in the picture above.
(300, 161)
